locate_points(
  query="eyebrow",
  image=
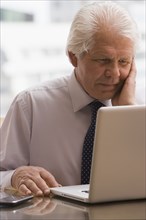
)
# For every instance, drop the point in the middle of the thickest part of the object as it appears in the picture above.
(107, 56)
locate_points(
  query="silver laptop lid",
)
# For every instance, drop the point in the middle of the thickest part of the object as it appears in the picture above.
(118, 164)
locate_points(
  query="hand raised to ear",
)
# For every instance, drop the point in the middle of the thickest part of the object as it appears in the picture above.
(126, 95)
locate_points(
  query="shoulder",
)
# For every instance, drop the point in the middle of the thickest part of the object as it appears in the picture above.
(48, 88)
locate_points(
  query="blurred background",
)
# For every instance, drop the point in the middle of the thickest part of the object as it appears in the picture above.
(33, 42)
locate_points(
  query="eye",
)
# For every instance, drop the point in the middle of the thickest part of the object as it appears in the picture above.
(124, 62)
(102, 60)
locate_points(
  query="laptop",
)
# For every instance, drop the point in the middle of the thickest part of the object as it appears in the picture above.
(118, 170)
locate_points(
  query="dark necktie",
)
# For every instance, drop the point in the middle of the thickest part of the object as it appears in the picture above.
(88, 144)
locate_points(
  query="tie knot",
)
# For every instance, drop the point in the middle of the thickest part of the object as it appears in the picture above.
(96, 105)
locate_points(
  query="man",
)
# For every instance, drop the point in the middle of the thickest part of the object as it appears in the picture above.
(43, 133)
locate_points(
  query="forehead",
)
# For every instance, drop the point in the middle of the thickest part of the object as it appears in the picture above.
(112, 45)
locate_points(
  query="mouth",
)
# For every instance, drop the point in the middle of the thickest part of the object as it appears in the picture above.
(108, 87)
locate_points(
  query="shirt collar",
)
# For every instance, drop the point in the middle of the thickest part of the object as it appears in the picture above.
(79, 97)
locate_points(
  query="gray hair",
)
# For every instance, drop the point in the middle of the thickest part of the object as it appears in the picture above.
(98, 18)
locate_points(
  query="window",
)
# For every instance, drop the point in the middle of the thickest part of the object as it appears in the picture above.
(13, 16)
(33, 41)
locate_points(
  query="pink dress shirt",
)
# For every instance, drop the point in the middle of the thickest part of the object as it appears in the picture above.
(45, 126)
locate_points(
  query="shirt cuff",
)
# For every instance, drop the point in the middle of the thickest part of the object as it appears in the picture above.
(5, 178)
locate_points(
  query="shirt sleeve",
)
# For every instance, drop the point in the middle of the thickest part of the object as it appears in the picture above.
(15, 135)
(5, 178)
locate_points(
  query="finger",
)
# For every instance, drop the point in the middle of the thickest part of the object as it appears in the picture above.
(131, 79)
(42, 185)
(133, 70)
(49, 179)
(24, 190)
(30, 185)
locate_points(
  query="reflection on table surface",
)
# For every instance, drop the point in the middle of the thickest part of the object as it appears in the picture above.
(58, 208)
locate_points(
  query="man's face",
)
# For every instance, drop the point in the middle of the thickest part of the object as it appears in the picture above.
(103, 70)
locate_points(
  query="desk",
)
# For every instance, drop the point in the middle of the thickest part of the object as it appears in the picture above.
(56, 208)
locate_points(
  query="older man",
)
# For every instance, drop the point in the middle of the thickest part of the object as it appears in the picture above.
(43, 133)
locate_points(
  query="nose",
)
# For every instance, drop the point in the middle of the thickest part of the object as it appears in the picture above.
(113, 71)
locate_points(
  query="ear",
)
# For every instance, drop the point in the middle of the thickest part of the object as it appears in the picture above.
(72, 58)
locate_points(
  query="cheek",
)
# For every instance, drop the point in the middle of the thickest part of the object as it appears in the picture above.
(89, 74)
(96, 72)
(124, 74)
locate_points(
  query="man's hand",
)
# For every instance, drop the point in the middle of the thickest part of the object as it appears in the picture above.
(126, 94)
(33, 180)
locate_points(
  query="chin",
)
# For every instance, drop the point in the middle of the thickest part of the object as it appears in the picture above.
(104, 96)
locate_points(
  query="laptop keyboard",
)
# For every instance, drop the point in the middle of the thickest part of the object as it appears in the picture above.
(85, 191)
